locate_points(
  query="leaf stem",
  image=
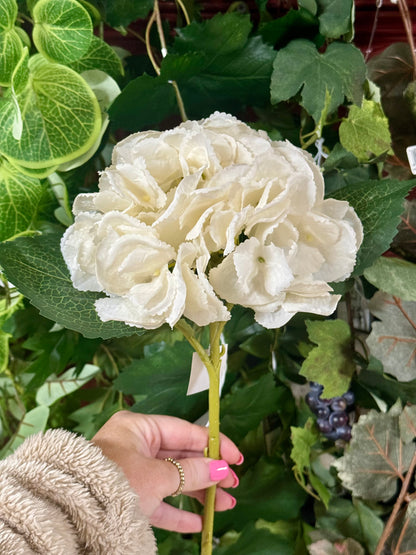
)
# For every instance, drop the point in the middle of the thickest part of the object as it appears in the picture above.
(185, 12)
(390, 523)
(156, 17)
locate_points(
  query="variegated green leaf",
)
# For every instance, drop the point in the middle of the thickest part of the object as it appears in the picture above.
(62, 30)
(60, 115)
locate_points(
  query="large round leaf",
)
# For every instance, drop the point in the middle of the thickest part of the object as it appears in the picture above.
(11, 49)
(20, 196)
(8, 14)
(60, 114)
(62, 30)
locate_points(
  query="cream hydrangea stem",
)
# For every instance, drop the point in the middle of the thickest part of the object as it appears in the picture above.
(212, 361)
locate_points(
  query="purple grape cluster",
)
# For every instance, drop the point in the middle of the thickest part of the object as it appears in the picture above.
(332, 414)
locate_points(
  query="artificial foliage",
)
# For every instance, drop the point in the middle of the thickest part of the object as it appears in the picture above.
(69, 92)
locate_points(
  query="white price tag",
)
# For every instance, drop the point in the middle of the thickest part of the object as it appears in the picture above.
(411, 156)
(199, 379)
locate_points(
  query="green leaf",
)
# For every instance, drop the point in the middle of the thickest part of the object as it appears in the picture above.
(8, 14)
(267, 490)
(303, 439)
(218, 67)
(57, 387)
(340, 72)
(20, 197)
(243, 409)
(393, 338)
(33, 422)
(11, 50)
(259, 541)
(4, 350)
(101, 56)
(354, 519)
(62, 30)
(105, 89)
(366, 132)
(61, 117)
(20, 76)
(376, 457)
(336, 18)
(330, 363)
(36, 267)
(222, 34)
(166, 395)
(394, 276)
(144, 101)
(123, 12)
(379, 205)
(295, 24)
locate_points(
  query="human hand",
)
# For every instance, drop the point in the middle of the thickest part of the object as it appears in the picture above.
(139, 443)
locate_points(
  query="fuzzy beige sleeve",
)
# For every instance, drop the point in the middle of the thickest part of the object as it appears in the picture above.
(59, 495)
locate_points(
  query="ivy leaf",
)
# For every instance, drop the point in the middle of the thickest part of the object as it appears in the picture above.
(100, 56)
(339, 72)
(393, 339)
(144, 101)
(11, 50)
(166, 395)
(267, 490)
(394, 276)
(61, 117)
(376, 457)
(20, 198)
(379, 205)
(366, 132)
(8, 14)
(330, 363)
(36, 267)
(336, 18)
(33, 422)
(62, 30)
(123, 12)
(303, 439)
(243, 409)
(57, 387)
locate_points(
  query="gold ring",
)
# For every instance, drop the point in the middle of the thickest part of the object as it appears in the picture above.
(181, 476)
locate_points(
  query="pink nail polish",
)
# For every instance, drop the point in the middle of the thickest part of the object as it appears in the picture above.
(218, 470)
(240, 460)
(236, 480)
(233, 502)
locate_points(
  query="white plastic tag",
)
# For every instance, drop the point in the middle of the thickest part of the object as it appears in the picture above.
(199, 379)
(411, 156)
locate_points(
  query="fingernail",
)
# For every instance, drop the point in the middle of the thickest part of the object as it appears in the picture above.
(218, 470)
(236, 480)
(240, 460)
(233, 502)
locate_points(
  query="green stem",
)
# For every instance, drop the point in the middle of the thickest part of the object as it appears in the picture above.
(212, 362)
